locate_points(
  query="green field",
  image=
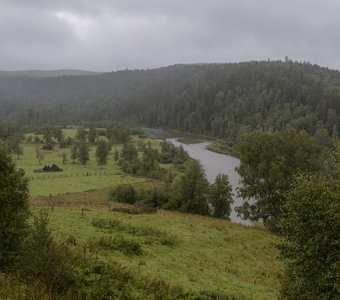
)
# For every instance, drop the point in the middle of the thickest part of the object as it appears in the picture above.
(207, 254)
(75, 177)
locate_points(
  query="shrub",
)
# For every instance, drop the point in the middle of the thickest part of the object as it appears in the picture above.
(43, 262)
(155, 197)
(152, 234)
(124, 193)
(119, 243)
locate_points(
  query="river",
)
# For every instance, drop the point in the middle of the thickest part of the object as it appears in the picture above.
(213, 164)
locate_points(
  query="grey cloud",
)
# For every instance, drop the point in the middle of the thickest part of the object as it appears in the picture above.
(110, 35)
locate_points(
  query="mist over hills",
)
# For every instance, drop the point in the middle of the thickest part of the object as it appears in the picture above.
(217, 99)
(46, 73)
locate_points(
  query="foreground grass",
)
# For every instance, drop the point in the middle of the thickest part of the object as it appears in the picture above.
(196, 253)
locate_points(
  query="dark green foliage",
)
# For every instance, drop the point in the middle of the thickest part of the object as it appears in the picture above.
(48, 147)
(311, 248)
(116, 155)
(81, 134)
(92, 135)
(64, 157)
(128, 159)
(148, 164)
(129, 153)
(102, 152)
(225, 100)
(337, 160)
(189, 191)
(98, 280)
(221, 196)
(13, 210)
(7, 129)
(124, 193)
(47, 135)
(322, 138)
(172, 154)
(268, 163)
(83, 152)
(37, 140)
(118, 134)
(150, 159)
(14, 144)
(74, 152)
(151, 234)
(118, 243)
(42, 261)
(156, 197)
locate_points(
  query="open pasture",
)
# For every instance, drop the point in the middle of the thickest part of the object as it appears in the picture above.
(74, 177)
(194, 252)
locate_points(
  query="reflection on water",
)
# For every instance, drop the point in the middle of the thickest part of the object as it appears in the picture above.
(213, 164)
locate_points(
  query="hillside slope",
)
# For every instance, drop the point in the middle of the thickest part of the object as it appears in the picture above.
(224, 100)
(193, 252)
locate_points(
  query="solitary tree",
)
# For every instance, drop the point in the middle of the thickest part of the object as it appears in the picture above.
(13, 210)
(102, 152)
(83, 153)
(74, 152)
(190, 190)
(221, 196)
(129, 153)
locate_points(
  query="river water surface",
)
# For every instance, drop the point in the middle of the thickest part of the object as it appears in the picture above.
(213, 164)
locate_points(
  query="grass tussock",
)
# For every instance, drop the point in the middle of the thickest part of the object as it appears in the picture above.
(119, 243)
(152, 234)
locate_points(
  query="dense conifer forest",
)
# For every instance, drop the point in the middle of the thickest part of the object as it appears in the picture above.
(223, 100)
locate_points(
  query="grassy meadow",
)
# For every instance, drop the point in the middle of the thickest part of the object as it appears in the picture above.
(193, 252)
(75, 177)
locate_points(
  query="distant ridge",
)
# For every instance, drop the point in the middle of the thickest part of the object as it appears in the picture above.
(221, 100)
(47, 73)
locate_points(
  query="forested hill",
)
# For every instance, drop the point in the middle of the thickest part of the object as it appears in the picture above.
(219, 99)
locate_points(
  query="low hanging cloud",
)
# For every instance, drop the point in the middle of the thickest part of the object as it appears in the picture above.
(107, 35)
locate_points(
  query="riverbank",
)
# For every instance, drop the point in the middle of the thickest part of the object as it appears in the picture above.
(221, 147)
(215, 145)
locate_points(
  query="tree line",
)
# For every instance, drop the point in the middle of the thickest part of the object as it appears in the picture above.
(223, 100)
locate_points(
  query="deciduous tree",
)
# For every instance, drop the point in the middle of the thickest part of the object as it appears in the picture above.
(83, 152)
(221, 196)
(102, 152)
(311, 246)
(268, 163)
(189, 191)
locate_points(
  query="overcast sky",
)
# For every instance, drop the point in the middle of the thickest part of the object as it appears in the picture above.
(105, 35)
